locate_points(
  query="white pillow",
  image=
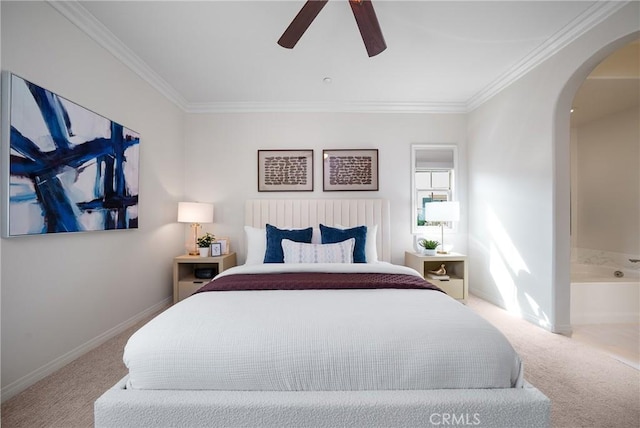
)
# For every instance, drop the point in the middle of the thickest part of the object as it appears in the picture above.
(370, 246)
(298, 252)
(256, 245)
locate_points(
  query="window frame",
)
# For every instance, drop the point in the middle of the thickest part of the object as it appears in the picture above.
(415, 148)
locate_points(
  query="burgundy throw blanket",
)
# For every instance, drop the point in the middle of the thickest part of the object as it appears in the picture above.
(316, 281)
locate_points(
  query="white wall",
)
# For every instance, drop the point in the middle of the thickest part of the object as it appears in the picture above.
(518, 156)
(64, 293)
(222, 161)
(608, 183)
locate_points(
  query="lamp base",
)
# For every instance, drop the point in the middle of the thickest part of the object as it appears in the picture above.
(193, 251)
(442, 250)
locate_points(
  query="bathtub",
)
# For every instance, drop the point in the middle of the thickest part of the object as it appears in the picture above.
(598, 297)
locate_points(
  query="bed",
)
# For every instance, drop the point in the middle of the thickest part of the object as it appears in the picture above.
(320, 343)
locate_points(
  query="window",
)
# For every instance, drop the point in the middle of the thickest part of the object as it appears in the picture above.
(432, 185)
(432, 181)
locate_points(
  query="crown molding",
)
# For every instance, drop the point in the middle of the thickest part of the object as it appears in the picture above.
(595, 14)
(329, 107)
(85, 21)
(79, 16)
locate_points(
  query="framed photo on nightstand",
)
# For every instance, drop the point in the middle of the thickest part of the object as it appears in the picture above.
(225, 245)
(216, 249)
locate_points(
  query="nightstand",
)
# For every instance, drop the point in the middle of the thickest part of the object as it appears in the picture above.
(456, 264)
(185, 282)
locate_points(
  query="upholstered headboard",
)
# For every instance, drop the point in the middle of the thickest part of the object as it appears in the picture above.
(300, 213)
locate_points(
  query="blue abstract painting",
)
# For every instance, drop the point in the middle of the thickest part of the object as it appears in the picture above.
(70, 169)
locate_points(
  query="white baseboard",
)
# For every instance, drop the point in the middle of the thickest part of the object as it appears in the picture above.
(26, 381)
(563, 329)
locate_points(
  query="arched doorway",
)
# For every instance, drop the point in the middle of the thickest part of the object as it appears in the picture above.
(562, 180)
(605, 203)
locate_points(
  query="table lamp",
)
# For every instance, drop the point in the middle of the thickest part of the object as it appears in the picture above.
(442, 212)
(195, 213)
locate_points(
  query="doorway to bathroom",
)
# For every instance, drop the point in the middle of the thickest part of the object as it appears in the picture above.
(605, 207)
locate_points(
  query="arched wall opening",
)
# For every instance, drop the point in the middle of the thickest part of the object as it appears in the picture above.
(562, 180)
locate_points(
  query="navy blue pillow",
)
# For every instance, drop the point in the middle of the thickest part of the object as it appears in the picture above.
(274, 253)
(331, 235)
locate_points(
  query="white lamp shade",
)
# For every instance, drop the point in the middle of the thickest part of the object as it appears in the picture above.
(195, 212)
(442, 211)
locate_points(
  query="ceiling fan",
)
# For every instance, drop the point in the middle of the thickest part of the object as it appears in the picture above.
(362, 11)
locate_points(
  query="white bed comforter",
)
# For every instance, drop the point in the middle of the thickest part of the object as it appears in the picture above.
(284, 340)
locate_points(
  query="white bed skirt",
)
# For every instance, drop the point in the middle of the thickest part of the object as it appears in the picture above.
(512, 407)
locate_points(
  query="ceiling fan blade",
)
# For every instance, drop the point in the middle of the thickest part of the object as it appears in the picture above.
(368, 26)
(301, 22)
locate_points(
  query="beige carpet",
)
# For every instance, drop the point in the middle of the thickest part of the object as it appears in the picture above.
(587, 387)
(65, 398)
(621, 341)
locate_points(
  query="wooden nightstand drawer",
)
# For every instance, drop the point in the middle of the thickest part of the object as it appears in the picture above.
(185, 282)
(187, 288)
(453, 287)
(455, 264)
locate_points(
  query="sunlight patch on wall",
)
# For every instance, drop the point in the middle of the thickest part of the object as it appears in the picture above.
(505, 244)
(543, 319)
(505, 262)
(503, 280)
(506, 266)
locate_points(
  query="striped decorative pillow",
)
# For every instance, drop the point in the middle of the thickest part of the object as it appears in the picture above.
(298, 252)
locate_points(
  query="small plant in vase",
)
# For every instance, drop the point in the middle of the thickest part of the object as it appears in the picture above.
(204, 243)
(428, 246)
